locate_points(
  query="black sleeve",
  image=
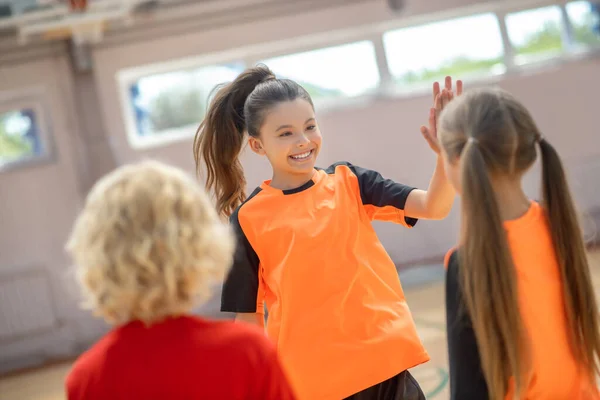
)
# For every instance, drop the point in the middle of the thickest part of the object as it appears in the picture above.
(240, 289)
(466, 377)
(382, 195)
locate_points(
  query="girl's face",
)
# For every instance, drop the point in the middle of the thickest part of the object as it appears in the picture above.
(291, 140)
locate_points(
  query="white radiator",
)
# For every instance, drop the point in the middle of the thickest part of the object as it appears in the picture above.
(25, 305)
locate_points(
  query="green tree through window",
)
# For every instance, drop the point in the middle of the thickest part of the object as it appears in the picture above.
(583, 20)
(346, 70)
(547, 39)
(459, 67)
(465, 47)
(175, 101)
(176, 108)
(535, 34)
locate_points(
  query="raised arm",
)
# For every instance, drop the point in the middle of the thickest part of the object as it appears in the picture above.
(382, 198)
(437, 201)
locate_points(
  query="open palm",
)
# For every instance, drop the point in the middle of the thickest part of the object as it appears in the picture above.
(440, 100)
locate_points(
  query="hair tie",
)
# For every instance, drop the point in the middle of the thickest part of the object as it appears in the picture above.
(540, 138)
(473, 140)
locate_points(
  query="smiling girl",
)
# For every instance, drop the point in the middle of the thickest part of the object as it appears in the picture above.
(306, 246)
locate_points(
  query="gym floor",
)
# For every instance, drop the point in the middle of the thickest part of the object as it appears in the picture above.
(425, 300)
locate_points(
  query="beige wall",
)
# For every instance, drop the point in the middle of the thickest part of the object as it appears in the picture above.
(37, 206)
(38, 203)
(561, 99)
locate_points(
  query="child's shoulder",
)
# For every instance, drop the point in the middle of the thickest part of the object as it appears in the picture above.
(90, 362)
(347, 169)
(451, 257)
(335, 167)
(250, 199)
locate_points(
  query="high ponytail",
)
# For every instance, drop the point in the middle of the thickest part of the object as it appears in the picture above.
(567, 236)
(237, 108)
(220, 136)
(488, 277)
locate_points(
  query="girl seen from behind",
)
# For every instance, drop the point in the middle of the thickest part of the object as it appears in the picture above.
(522, 318)
(148, 247)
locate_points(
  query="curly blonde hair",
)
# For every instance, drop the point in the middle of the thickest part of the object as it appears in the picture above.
(148, 244)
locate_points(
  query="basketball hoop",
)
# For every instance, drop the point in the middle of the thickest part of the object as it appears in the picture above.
(81, 23)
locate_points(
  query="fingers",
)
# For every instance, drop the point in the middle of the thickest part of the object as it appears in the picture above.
(444, 98)
(437, 106)
(431, 140)
(448, 87)
(426, 134)
(436, 90)
(432, 119)
(432, 131)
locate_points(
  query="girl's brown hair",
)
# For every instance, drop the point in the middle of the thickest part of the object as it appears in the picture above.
(238, 108)
(493, 134)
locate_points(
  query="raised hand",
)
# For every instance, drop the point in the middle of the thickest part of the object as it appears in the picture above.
(440, 100)
(448, 88)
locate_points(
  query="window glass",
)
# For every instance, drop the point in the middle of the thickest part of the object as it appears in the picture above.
(461, 47)
(172, 101)
(19, 136)
(585, 20)
(535, 34)
(334, 72)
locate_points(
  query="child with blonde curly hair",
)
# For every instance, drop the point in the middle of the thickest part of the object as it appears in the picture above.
(149, 246)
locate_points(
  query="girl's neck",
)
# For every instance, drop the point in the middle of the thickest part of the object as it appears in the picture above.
(512, 200)
(290, 181)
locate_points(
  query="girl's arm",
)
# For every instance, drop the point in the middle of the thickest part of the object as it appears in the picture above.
(466, 376)
(386, 200)
(437, 201)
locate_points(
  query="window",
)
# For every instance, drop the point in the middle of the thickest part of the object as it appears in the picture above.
(342, 71)
(462, 47)
(167, 103)
(585, 20)
(535, 34)
(20, 138)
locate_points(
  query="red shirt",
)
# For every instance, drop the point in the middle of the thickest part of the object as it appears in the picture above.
(180, 358)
